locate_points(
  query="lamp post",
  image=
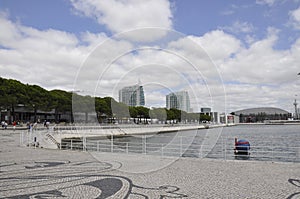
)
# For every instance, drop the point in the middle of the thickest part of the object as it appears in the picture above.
(296, 111)
(295, 104)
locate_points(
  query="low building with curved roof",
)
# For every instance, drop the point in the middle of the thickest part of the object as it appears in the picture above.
(261, 114)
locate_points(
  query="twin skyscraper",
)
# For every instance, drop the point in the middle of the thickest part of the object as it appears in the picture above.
(134, 96)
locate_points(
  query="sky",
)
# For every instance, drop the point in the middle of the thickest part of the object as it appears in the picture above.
(229, 55)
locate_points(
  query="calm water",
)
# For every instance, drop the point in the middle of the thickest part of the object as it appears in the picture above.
(268, 143)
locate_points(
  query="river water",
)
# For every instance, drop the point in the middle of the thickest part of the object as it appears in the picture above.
(279, 143)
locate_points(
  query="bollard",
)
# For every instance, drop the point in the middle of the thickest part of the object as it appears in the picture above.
(145, 143)
(112, 144)
(21, 138)
(84, 143)
(180, 146)
(34, 141)
(201, 151)
(225, 150)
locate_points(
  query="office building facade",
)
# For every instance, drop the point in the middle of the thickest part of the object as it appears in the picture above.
(179, 100)
(132, 95)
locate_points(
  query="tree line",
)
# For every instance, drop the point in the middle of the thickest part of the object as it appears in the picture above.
(35, 98)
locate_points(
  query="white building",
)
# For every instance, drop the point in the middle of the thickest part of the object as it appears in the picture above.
(179, 100)
(132, 95)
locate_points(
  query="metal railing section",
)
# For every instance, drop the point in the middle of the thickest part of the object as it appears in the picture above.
(177, 146)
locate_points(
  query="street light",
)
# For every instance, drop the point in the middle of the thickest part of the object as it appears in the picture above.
(295, 104)
(296, 109)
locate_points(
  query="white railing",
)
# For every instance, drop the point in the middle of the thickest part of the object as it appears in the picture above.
(174, 146)
(222, 150)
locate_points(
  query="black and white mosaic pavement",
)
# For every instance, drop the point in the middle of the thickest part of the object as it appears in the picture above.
(56, 179)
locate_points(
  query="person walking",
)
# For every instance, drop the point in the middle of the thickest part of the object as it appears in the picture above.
(14, 125)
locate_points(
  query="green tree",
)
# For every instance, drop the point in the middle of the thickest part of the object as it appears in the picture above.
(204, 117)
(133, 112)
(103, 109)
(159, 113)
(61, 101)
(120, 111)
(142, 113)
(39, 99)
(12, 93)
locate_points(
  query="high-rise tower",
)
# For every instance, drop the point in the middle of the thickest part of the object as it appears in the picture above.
(179, 100)
(132, 95)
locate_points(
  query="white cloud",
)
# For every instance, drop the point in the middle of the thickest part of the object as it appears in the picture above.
(227, 12)
(258, 72)
(240, 27)
(295, 18)
(266, 2)
(119, 16)
(262, 76)
(258, 75)
(218, 44)
(49, 57)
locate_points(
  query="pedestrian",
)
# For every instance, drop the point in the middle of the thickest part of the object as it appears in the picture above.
(5, 125)
(28, 126)
(47, 125)
(14, 125)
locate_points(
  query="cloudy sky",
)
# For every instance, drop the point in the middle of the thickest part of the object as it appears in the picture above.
(229, 55)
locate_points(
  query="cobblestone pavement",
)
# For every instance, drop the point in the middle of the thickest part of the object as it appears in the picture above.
(44, 173)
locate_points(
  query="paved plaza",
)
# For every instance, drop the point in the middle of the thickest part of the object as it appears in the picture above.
(49, 173)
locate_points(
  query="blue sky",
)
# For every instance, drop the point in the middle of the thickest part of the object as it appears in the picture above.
(55, 14)
(199, 17)
(192, 17)
(253, 45)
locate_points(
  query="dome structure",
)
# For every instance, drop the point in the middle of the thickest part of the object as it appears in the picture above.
(266, 110)
(262, 114)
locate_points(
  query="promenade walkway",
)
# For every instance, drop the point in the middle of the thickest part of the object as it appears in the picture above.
(46, 173)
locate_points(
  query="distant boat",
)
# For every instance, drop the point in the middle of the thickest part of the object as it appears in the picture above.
(241, 147)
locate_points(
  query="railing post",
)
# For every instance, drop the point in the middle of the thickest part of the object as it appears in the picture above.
(225, 149)
(21, 138)
(126, 147)
(112, 144)
(71, 144)
(272, 153)
(27, 138)
(145, 143)
(84, 144)
(201, 151)
(180, 146)
(60, 139)
(30, 137)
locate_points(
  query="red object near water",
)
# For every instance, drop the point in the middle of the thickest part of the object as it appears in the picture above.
(241, 147)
